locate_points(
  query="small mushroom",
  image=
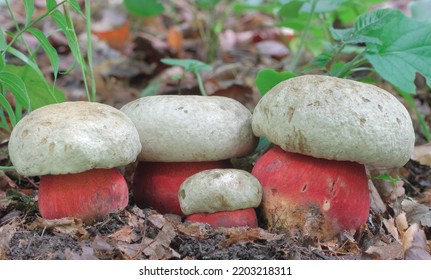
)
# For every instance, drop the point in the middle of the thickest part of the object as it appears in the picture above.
(219, 197)
(338, 126)
(180, 136)
(75, 147)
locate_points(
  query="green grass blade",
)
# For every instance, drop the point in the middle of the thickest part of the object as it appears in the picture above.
(3, 43)
(29, 10)
(48, 48)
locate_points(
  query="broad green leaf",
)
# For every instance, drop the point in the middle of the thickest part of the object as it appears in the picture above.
(39, 91)
(16, 86)
(2, 62)
(405, 51)
(29, 10)
(188, 64)
(291, 9)
(374, 20)
(266, 79)
(6, 105)
(48, 48)
(147, 8)
(350, 36)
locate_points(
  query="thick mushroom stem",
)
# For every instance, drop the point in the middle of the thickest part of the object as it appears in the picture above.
(319, 197)
(236, 218)
(156, 184)
(88, 195)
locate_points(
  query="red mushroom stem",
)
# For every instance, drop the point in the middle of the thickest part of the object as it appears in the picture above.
(317, 196)
(236, 218)
(88, 195)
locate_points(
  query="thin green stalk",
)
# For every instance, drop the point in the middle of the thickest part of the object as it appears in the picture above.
(304, 35)
(200, 83)
(80, 58)
(90, 50)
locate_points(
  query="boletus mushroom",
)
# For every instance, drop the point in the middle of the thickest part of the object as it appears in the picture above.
(75, 147)
(221, 198)
(326, 131)
(181, 136)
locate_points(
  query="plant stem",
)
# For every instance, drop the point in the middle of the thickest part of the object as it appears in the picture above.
(200, 83)
(90, 50)
(304, 35)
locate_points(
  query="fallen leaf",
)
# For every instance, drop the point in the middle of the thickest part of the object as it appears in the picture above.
(7, 231)
(101, 244)
(249, 235)
(425, 197)
(69, 226)
(198, 230)
(391, 228)
(391, 251)
(126, 234)
(157, 220)
(6, 182)
(376, 202)
(272, 48)
(417, 213)
(422, 154)
(175, 39)
(415, 244)
(402, 224)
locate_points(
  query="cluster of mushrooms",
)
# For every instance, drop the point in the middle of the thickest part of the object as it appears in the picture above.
(324, 131)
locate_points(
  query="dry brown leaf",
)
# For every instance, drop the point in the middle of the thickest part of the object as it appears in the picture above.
(392, 251)
(249, 235)
(175, 39)
(131, 251)
(415, 244)
(87, 254)
(7, 231)
(198, 230)
(6, 182)
(70, 226)
(422, 154)
(376, 202)
(417, 213)
(125, 234)
(425, 197)
(391, 228)
(157, 220)
(101, 244)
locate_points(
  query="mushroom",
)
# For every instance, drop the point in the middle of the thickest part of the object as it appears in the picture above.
(338, 126)
(180, 136)
(75, 147)
(221, 197)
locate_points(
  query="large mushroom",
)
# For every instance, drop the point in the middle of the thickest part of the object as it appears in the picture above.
(325, 130)
(75, 147)
(181, 136)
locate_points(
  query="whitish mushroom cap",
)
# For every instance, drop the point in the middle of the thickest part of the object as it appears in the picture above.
(72, 137)
(191, 128)
(336, 119)
(218, 190)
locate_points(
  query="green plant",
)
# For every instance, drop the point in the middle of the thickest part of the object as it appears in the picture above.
(192, 65)
(27, 84)
(393, 181)
(24, 88)
(384, 42)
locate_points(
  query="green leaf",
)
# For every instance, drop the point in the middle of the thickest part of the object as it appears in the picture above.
(147, 8)
(207, 4)
(374, 20)
(323, 6)
(405, 51)
(351, 36)
(48, 48)
(291, 9)
(51, 4)
(29, 10)
(6, 105)
(3, 43)
(39, 91)
(16, 86)
(75, 6)
(266, 79)
(188, 64)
